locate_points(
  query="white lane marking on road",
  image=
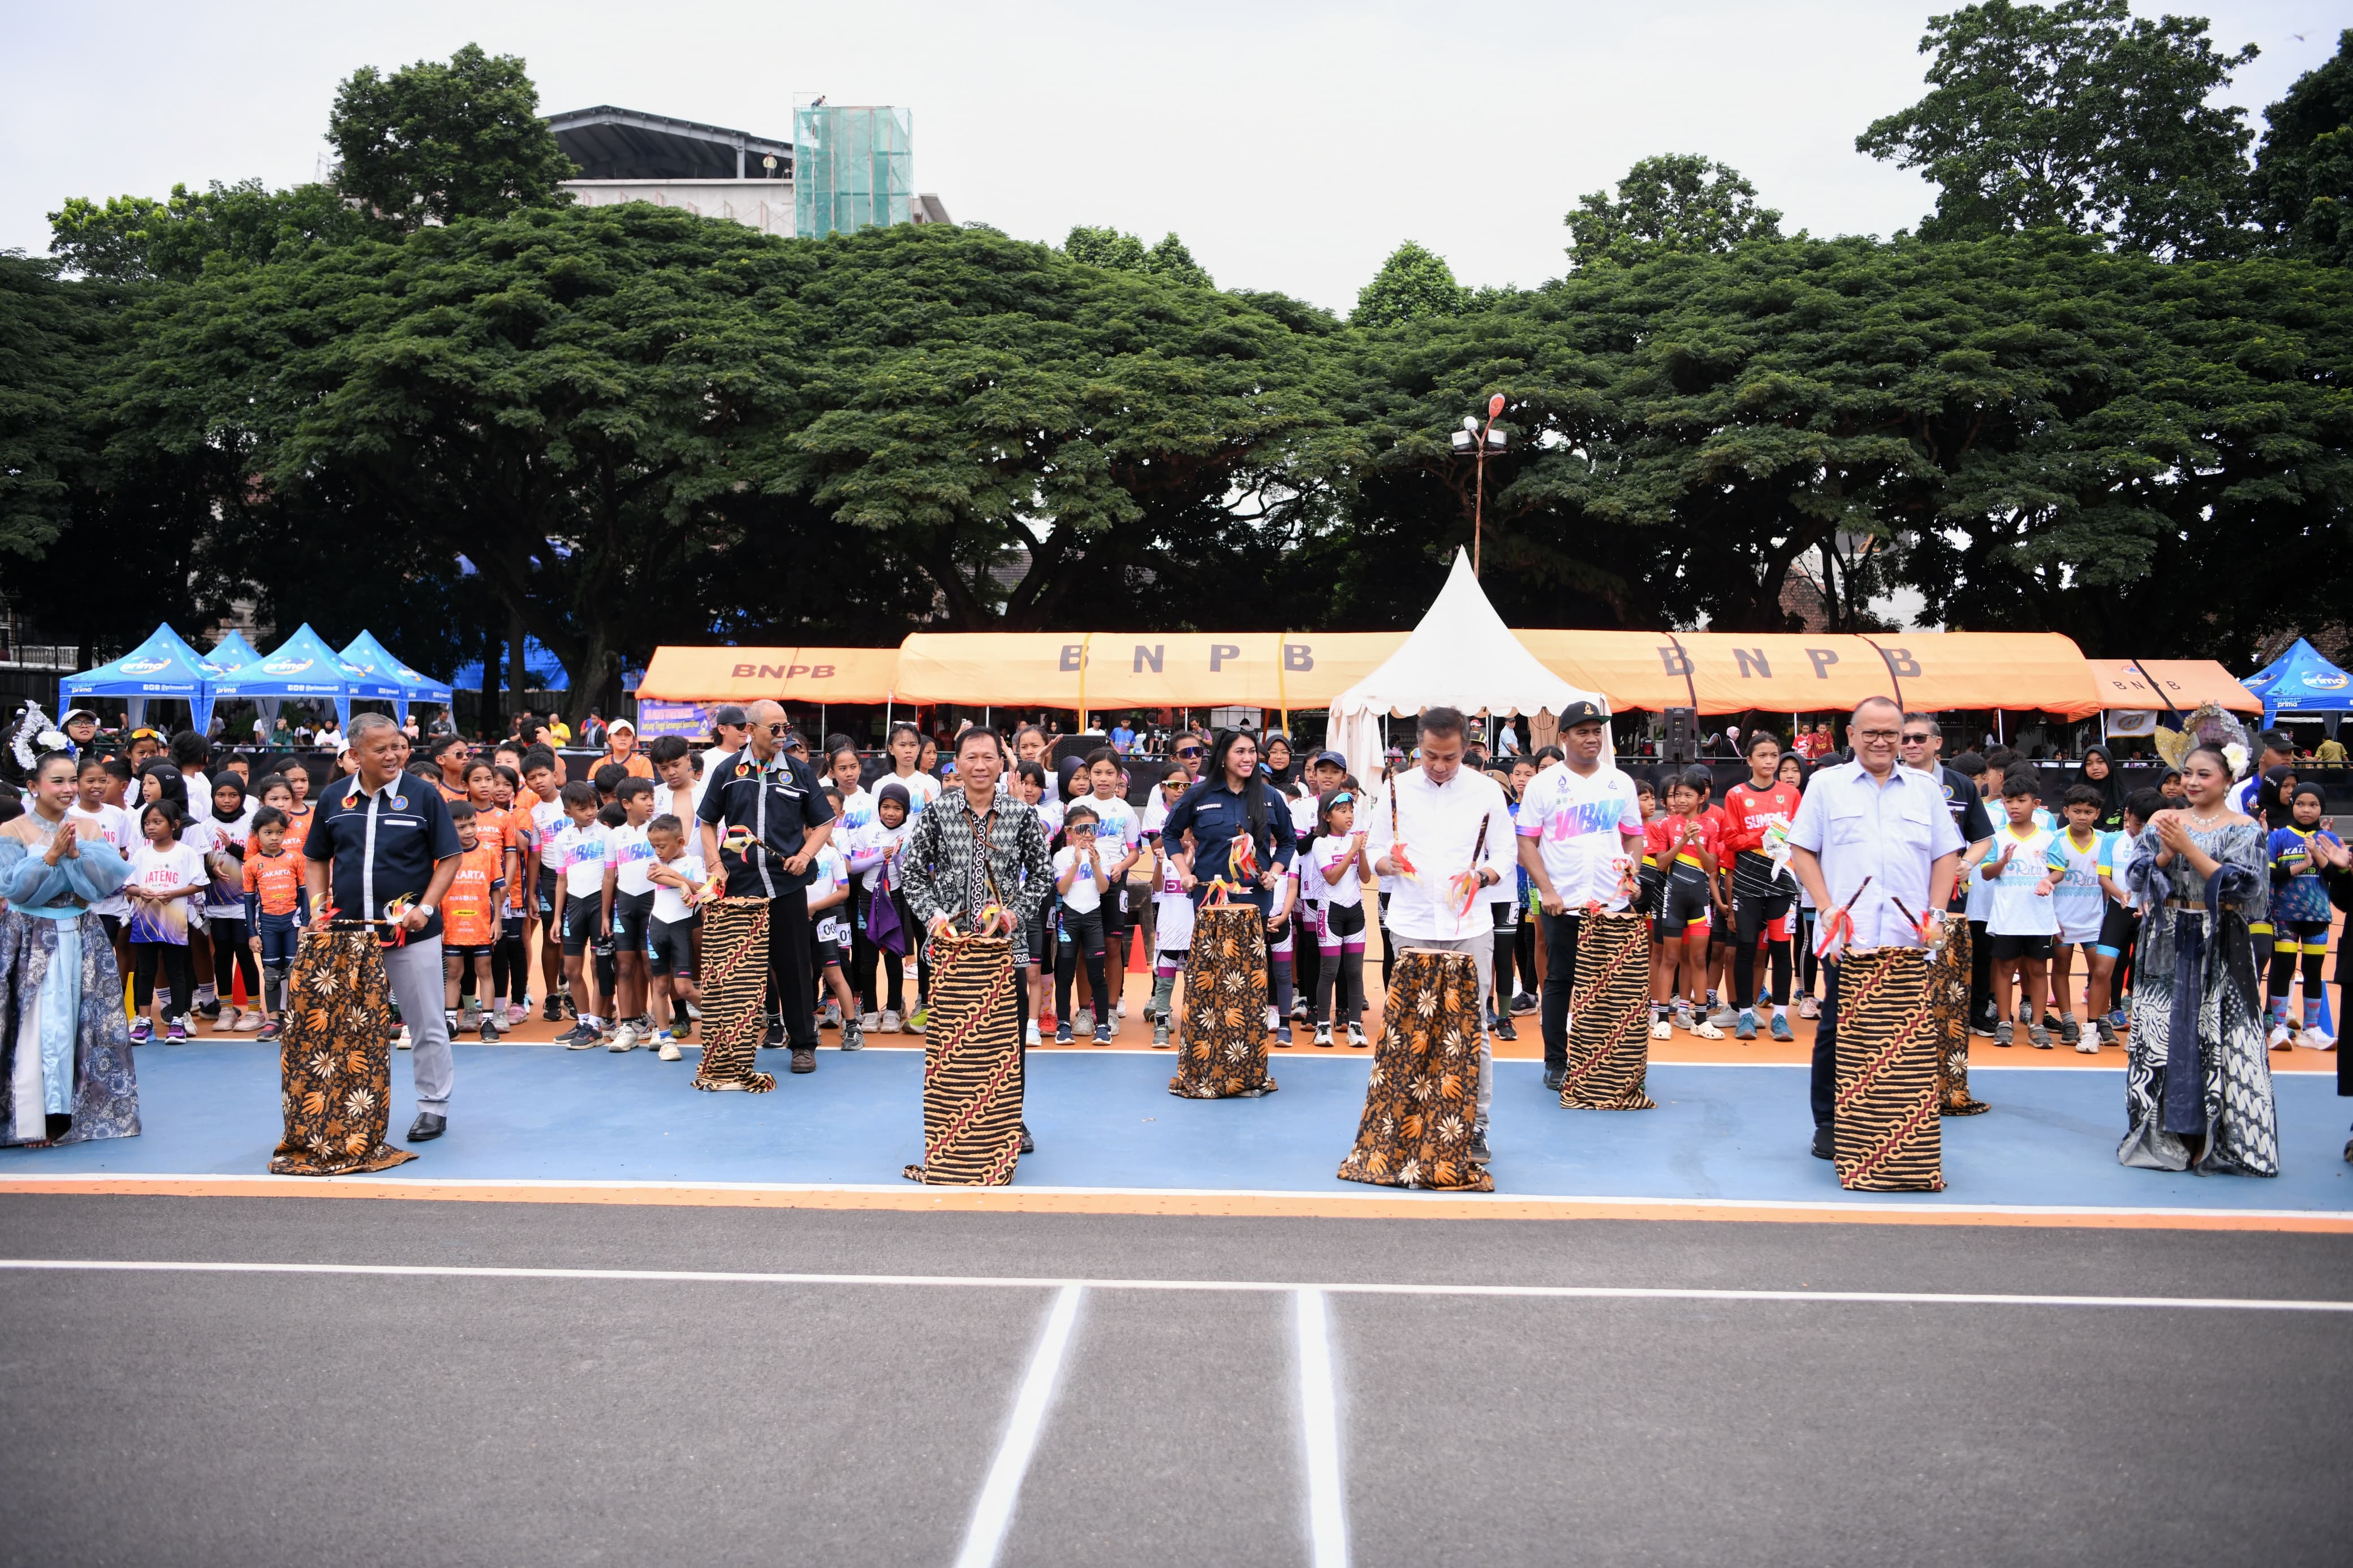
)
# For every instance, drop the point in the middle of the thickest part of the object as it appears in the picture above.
(1319, 1421)
(992, 1512)
(1028, 1282)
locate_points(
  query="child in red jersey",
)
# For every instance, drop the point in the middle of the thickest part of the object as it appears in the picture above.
(1685, 842)
(1761, 809)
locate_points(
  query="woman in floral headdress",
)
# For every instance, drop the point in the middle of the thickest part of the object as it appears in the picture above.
(2198, 1086)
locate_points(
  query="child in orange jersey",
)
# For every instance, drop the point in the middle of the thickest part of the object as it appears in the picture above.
(470, 915)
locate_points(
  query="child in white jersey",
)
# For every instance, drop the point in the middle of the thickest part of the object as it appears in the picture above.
(678, 878)
(830, 909)
(579, 918)
(1337, 868)
(631, 886)
(2019, 917)
(2078, 853)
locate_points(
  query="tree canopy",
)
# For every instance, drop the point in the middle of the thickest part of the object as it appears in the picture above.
(1676, 201)
(1411, 284)
(2303, 171)
(2080, 116)
(431, 142)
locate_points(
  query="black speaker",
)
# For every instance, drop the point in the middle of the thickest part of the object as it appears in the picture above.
(1681, 743)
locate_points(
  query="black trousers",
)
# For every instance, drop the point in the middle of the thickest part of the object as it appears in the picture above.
(1560, 934)
(790, 934)
(1824, 1086)
(146, 956)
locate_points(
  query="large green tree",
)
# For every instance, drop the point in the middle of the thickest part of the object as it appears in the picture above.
(557, 398)
(138, 239)
(2080, 116)
(1042, 442)
(1414, 282)
(1676, 201)
(49, 349)
(2304, 171)
(431, 142)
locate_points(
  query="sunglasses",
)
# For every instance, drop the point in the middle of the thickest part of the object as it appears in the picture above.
(1188, 751)
(779, 729)
(1343, 798)
(1917, 739)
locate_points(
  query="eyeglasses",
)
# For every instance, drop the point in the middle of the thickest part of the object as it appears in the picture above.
(1882, 736)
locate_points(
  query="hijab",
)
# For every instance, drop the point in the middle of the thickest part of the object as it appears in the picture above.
(2111, 788)
(228, 781)
(2275, 812)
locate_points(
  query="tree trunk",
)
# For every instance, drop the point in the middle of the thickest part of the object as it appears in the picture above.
(485, 717)
(518, 671)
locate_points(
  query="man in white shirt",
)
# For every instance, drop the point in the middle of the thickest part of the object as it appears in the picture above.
(729, 729)
(1579, 830)
(1869, 837)
(1451, 820)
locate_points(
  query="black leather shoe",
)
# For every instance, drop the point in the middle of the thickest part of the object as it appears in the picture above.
(1555, 1077)
(1825, 1142)
(805, 1058)
(426, 1127)
(1028, 1145)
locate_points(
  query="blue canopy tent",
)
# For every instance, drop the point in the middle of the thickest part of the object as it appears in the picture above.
(232, 652)
(2300, 682)
(162, 666)
(375, 661)
(304, 666)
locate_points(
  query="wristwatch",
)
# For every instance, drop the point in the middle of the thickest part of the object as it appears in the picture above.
(424, 910)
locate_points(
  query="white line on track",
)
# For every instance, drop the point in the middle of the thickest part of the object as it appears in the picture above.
(1028, 1282)
(1319, 1421)
(992, 1512)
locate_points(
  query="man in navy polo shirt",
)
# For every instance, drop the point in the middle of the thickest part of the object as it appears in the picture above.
(763, 818)
(382, 847)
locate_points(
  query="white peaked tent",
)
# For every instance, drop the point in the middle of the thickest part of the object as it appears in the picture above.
(1460, 656)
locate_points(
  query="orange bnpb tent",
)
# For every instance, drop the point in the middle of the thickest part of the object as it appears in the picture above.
(778, 674)
(1094, 672)
(1790, 672)
(2181, 684)
(1716, 672)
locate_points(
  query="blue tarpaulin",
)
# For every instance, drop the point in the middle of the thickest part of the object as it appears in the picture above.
(2301, 681)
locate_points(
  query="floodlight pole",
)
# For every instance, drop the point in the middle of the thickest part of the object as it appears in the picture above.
(1479, 436)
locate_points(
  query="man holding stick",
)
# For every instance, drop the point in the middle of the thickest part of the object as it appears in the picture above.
(1876, 847)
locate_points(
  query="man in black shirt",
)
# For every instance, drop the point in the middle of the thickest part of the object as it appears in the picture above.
(382, 848)
(764, 817)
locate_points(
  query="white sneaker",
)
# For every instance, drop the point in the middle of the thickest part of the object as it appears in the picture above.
(1273, 1019)
(1661, 1029)
(869, 1022)
(889, 1024)
(832, 1019)
(2088, 1046)
(407, 1041)
(2280, 1037)
(1029, 1035)
(1082, 1021)
(2313, 1039)
(625, 1038)
(1122, 1009)
(668, 1051)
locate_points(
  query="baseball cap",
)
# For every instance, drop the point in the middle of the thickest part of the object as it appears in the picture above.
(1582, 713)
(620, 724)
(728, 713)
(1334, 758)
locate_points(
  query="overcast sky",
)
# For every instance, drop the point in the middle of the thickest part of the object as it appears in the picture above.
(1292, 144)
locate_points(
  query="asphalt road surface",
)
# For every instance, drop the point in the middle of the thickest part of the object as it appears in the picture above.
(962, 1402)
